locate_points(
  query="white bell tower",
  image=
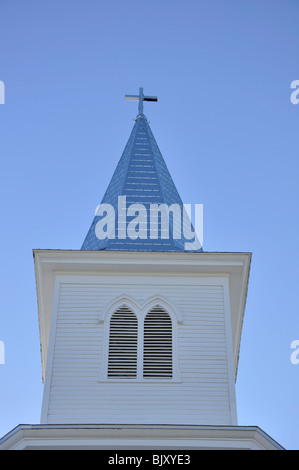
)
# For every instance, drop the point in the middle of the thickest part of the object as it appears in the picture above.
(140, 338)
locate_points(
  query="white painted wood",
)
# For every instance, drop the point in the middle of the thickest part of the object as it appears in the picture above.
(176, 265)
(74, 393)
(204, 295)
(99, 437)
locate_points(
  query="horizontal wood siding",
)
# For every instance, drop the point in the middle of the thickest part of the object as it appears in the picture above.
(77, 395)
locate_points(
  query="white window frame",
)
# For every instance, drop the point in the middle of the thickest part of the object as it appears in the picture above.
(140, 310)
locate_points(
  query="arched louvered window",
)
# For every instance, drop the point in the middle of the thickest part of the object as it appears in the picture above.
(157, 344)
(123, 338)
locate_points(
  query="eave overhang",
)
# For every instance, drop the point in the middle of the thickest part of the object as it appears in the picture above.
(146, 437)
(50, 263)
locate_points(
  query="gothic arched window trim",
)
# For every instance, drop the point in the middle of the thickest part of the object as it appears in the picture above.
(140, 310)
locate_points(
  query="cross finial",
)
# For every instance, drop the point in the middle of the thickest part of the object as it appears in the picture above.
(141, 97)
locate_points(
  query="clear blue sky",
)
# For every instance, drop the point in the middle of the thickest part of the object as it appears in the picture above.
(226, 128)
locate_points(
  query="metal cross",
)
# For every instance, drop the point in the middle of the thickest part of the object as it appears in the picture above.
(140, 98)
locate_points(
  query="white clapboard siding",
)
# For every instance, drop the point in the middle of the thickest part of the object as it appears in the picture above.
(200, 395)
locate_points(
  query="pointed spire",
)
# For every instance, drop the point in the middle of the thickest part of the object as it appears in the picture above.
(141, 184)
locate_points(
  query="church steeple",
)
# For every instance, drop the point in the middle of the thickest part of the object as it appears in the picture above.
(142, 179)
(139, 349)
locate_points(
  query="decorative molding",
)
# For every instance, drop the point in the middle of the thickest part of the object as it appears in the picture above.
(141, 308)
(117, 302)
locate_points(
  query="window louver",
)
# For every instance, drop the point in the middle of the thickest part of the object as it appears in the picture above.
(122, 359)
(157, 348)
